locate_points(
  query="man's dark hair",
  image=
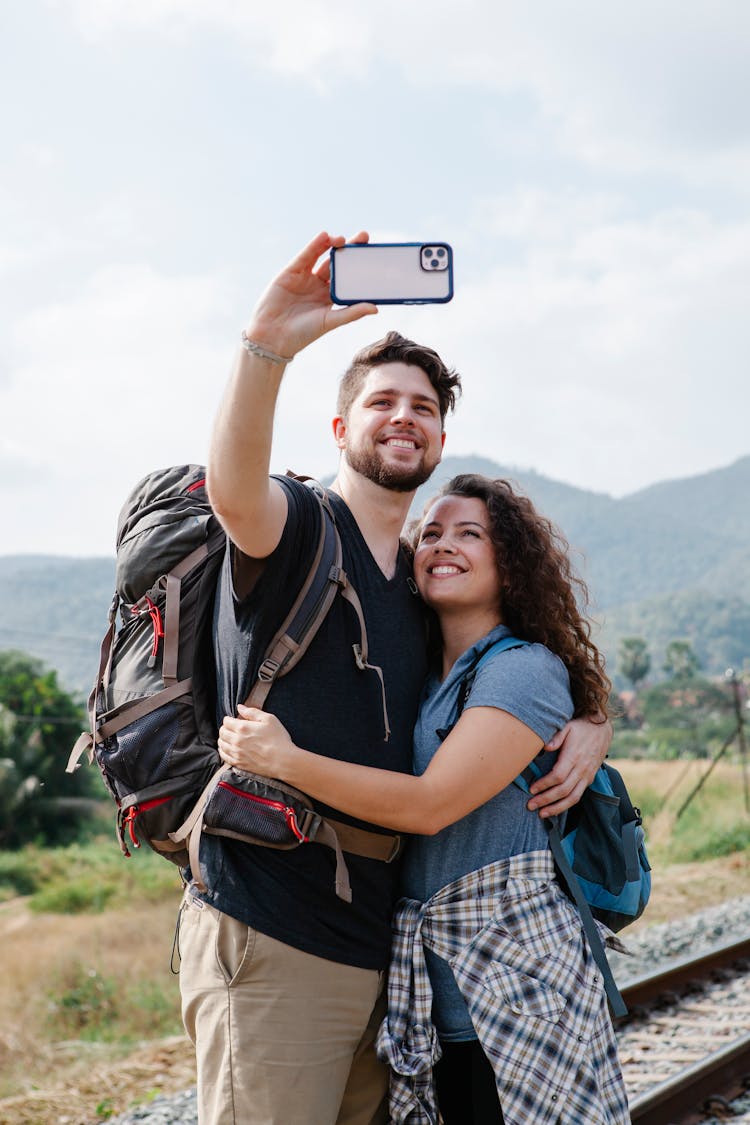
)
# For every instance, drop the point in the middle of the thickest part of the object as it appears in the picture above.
(395, 348)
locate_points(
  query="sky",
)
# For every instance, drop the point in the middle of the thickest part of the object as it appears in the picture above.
(161, 160)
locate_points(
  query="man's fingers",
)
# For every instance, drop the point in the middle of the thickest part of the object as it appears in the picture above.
(557, 739)
(348, 314)
(230, 725)
(554, 810)
(557, 800)
(553, 780)
(551, 795)
(308, 256)
(323, 271)
(563, 804)
(249, 712)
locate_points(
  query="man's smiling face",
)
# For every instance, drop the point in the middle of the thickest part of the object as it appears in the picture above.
(393, 434)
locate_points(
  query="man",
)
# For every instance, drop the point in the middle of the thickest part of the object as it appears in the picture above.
(282, 981)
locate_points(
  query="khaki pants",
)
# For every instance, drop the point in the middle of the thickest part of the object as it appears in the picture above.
(281, 1037)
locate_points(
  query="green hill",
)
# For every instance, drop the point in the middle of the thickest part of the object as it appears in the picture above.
(672, 560)
(56, 608)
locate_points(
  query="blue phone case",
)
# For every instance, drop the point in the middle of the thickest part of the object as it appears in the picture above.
(392, 273)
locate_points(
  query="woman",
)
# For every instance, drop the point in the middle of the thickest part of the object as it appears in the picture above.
(490, 972)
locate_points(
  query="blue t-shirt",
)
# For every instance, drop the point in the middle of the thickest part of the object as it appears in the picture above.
(532, 684)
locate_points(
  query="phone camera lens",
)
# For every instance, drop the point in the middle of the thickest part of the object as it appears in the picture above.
(440, 253)
(434, 263)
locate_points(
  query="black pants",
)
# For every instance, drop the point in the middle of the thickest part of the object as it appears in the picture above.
(466, 1090)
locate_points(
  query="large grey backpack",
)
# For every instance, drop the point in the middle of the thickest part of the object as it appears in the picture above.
(152, 707)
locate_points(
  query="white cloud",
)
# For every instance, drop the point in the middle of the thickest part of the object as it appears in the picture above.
(120, 379)
(294, 37)
(629, 86)
(607, 352)
(603, 350)
(600, 320)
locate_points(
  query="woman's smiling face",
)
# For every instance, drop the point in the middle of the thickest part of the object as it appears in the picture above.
(455, 564)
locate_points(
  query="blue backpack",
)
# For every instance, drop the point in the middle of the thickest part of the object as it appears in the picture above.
(598, 847)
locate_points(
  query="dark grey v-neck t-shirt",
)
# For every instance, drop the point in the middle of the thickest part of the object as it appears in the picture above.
(330, 707)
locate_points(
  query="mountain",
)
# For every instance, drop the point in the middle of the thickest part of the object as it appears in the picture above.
(56, 608)
(666, 539)
(672, 560)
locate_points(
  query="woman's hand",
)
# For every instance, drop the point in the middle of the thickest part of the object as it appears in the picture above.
(257, 742)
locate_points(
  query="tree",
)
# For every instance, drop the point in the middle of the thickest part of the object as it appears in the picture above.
(634, 659)
(680, 661)
(688, 714)
(39, 723)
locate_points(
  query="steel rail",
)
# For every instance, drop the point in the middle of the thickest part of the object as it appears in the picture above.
(686, 1097)
(645, 990)
(682, 1100)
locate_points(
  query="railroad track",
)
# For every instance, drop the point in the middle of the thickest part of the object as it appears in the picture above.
(685, 1044)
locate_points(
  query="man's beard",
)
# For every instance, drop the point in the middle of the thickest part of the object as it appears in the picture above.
(370, 464)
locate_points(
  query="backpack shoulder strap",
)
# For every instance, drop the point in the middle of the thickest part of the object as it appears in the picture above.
(296, 632)
(502, 645)
(616, 1002)
(552, 826)
(324, 580)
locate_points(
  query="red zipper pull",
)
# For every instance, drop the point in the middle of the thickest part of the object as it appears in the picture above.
(158, 624)
(121, 834)
(291, 820)
(129, 819)
(156, 620)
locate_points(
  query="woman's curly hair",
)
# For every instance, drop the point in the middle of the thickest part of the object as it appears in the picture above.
(539, 587)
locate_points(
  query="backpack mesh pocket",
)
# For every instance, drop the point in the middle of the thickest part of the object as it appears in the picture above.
(253, 809)
(141, 754)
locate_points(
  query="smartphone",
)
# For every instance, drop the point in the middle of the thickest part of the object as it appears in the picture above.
(392, 273)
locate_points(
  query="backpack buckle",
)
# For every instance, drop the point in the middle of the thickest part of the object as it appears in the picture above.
(336, 574)
(268, 670)
(309, 823)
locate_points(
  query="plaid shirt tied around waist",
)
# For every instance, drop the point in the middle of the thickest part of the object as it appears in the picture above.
(534, 992)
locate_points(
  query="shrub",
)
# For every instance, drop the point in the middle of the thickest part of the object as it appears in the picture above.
(86, 895)
(85, 1007)
(85, 877)
(648, 801)
(17, 875)
(723, 840)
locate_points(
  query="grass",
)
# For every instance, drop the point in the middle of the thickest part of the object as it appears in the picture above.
(86, 959)
(685, 823)
(87, 1003)
(702, 856)
(84, 878)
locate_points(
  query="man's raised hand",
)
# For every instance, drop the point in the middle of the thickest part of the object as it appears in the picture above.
(296, 308)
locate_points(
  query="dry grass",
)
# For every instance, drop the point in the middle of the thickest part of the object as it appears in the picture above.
(681, 888)
(45, 956)
(51, 1078)
(97, 1084)
(673, 779)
